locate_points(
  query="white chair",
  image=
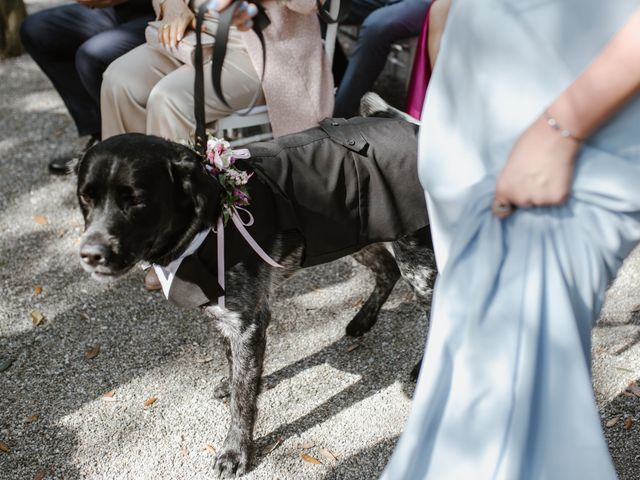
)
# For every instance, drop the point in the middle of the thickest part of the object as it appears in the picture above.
(259, 116)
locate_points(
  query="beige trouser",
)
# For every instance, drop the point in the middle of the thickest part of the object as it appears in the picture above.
(147, 91)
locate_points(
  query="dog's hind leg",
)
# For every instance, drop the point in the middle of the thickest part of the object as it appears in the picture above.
(381, 262)
(417, 263)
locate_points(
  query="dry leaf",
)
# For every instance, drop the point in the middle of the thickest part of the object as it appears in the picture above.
(634, 388)
(31, 418)
(270, 448)
(204, 360)
(37, 318)
(184, 452)
(327, 454)
(108, 396)
(61, 233)
(84, 316)
(5, 364)
(40, 220)
(352, 347)
(92, 352)
(628, 394)
(612, 422)
(310, 459)
(627, 370)
(40, 474)
(628, 423)
(209, 449)
(37, 290)
(308, 444)
(357, 303)
(4, 447)
(150, 401)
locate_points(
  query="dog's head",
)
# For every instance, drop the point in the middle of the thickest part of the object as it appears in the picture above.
(142, 198)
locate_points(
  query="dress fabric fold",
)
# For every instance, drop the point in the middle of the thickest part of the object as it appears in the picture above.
(505, 389)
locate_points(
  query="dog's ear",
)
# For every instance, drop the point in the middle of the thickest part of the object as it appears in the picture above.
(195, 185)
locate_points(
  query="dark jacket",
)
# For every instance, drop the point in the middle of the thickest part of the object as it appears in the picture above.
(343, 185)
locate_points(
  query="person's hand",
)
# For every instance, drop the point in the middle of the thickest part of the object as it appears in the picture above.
(175, 16)
(242, 16)
(538, 172)
(100, 3)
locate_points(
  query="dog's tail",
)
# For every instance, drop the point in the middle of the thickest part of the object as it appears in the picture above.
(372, 105)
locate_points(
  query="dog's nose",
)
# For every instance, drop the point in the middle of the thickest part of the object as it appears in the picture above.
(94, 254)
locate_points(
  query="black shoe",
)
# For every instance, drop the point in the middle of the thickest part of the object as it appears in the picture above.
(62, 165)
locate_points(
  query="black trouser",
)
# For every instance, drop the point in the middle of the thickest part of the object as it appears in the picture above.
(73, 45)
(383, 22)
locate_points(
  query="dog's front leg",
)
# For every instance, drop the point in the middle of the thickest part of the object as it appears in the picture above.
(246, 336)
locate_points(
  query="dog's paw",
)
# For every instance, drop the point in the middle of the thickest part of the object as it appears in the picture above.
(231, 462)
(222, 390)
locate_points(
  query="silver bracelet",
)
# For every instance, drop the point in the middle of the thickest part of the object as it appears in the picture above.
(553, 123)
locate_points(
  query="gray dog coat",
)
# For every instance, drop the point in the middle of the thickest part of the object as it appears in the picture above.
(341, 186)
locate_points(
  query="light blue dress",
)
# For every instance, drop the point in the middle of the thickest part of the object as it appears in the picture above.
(505, 390)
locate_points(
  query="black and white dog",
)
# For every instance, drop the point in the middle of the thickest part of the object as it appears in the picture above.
(316, 196)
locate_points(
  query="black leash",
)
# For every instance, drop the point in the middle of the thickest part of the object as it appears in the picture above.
(260, 22)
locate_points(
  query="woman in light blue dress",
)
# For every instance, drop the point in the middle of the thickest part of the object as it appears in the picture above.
(530, 154)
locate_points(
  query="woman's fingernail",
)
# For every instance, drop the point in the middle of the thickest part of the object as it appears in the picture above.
(252, 10)
(244, 6)
(248, 23)
(212, 5)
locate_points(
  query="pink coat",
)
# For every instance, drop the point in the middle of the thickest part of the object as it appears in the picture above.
(298, 83)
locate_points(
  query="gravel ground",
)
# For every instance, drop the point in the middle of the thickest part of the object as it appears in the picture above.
(319, 393)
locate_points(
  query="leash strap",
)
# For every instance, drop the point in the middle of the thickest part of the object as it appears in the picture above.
(260, 22)
(343, 12)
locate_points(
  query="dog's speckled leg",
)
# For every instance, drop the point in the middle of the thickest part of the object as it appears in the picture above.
(223, 389)
(246, 335)
(381, 262)
(417, 262)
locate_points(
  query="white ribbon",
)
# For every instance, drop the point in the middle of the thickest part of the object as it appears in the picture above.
(240, 225)
(168, 273)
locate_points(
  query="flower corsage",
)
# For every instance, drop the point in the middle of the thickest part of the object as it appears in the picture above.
(220, 162)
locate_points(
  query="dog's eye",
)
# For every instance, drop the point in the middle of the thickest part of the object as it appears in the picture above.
(86, 198)
(132, 201)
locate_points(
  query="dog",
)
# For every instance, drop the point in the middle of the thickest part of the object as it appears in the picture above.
(145, 199)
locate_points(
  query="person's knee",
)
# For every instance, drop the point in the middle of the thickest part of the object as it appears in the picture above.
(88, 60)
(377, 28)
(162, 102)
(115, 81)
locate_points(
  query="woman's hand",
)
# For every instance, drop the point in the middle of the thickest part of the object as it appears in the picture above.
(539, 170)
(241, 17)
(176, 17)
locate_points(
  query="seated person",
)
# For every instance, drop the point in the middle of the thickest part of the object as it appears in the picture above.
(383, 23)
(74, 44)
(150, 91)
